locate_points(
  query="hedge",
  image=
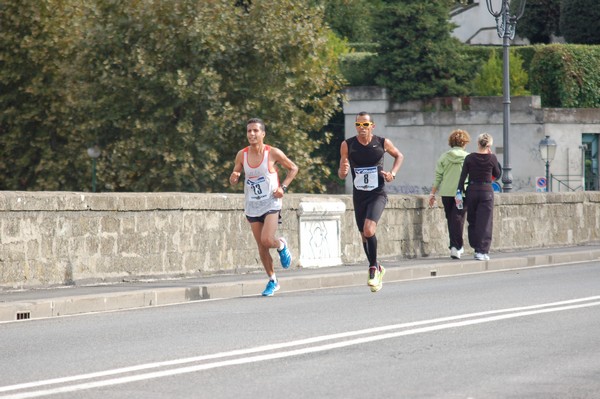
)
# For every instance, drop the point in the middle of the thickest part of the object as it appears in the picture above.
(566, 76)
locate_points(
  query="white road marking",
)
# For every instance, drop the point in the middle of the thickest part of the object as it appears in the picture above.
(410, 328)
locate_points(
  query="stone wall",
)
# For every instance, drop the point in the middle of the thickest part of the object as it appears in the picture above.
(54, 238)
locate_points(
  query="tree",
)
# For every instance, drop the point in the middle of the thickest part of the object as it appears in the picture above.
(38, 150)
(418, 58)
(579, 20)
(164, 88)
(540, 21)
(352, 20)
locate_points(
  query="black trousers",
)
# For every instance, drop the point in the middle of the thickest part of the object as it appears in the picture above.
(456, 222)
(480, 216)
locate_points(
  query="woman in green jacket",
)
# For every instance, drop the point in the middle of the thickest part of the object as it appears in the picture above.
(447, 174)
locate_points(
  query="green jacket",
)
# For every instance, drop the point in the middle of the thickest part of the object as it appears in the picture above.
(447, 171)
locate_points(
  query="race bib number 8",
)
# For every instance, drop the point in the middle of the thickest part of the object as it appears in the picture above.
(366, 178)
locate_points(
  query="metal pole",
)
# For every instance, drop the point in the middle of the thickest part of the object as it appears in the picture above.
(507, 170)
(506, 27)
(547, 176)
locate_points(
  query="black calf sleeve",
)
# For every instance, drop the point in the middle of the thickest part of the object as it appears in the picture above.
(372, 250)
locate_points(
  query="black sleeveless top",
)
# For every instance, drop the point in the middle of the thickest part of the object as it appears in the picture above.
(361, 156)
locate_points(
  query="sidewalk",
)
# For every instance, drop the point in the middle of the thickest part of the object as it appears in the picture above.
(70, 300)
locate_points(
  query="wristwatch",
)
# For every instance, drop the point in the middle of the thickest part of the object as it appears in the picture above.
(393, 176)
(284, 188)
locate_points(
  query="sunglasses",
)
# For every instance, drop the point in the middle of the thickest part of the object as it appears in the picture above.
(363, 124)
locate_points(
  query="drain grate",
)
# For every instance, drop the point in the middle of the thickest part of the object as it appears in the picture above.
(23, 315)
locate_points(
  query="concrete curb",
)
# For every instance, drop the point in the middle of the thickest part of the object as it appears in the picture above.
(141, 298)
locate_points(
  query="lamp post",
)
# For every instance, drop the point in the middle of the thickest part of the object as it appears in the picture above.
(94, 153)
(506, 24)
(547, 152)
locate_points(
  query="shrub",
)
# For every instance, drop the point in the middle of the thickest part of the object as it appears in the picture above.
(567, 76)
(489, 80)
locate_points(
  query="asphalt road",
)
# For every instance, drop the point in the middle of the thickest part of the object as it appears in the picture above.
(529, 333)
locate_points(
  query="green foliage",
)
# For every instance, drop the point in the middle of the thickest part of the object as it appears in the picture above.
(483, 53)
(489, 80)
(358, 68)
(566, 76)
(38, 152)
(526, 53)
(519, 78)
(579, 21)
(352, 20)
(540, 21)
(418, 59)
(164, 88)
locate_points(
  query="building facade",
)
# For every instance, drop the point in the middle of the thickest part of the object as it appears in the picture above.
(475, 25)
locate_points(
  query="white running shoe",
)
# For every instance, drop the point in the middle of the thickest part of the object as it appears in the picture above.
(479, 256)
(454, 253)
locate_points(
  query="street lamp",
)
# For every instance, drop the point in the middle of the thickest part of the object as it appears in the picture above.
(547, 152)
(94, 153)
(506, 24)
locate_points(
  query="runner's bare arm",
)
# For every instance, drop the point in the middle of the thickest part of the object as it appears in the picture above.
(344, 168)
(238, 167)
(277, 156)
(398, 159)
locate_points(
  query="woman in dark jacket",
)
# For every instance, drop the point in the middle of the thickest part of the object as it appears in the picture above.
(480, 167)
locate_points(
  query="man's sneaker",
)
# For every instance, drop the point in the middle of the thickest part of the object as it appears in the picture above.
(479, 256)
(272, 286)
(379, 275)
(285, 255)
(486, 256)
(373, 277)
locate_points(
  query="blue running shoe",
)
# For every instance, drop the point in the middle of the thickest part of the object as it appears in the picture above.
(285, 255)
(272, 286)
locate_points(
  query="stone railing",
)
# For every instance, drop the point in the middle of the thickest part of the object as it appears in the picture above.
(53, 238)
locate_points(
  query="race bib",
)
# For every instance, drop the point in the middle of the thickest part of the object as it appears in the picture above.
(366, 179)
(258, 188)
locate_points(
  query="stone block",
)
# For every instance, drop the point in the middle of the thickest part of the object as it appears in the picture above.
(320, 233)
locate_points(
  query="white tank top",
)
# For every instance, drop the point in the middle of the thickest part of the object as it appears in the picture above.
(259, 185)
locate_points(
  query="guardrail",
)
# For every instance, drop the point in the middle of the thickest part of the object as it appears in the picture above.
(565, 182)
